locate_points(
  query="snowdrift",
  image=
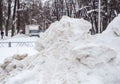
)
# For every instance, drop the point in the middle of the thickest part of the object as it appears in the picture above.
(113, 28)
(68, 55)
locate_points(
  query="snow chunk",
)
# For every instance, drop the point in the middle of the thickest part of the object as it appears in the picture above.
(93, 55)
(12, 63)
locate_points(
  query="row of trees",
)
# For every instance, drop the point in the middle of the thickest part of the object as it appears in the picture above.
(8, 12)
(15, 14)
(87, 9)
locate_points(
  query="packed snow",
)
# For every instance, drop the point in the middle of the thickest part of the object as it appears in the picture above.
(68, 54)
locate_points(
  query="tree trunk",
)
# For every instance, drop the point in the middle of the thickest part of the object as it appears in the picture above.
(18, 16)
(74, 8)
(99, 15)
(67, 8)
(56, 9)
(8, 19)
(13, 18)
(1, 15)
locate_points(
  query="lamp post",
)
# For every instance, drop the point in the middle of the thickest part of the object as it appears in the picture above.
(99, 10)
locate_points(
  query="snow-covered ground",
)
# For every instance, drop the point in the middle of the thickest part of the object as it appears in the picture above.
(19, 38)
(17, 48)
(68, 54)
(6, 52)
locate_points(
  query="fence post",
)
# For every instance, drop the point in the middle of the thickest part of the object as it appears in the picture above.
(9, 44)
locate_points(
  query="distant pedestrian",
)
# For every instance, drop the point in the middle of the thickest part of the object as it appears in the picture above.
(2, 34)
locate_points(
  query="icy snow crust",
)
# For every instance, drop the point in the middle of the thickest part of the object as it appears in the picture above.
(68, 55)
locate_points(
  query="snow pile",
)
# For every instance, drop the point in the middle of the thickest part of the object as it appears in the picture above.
(65, 29)
(69, 55)
(114, 27)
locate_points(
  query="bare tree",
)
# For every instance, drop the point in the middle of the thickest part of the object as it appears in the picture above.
(8, 19)
(13, 18)
(18, 16)
(27, 12)
(1, 15)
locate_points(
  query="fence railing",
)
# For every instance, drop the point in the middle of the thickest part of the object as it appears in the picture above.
(17, 44)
